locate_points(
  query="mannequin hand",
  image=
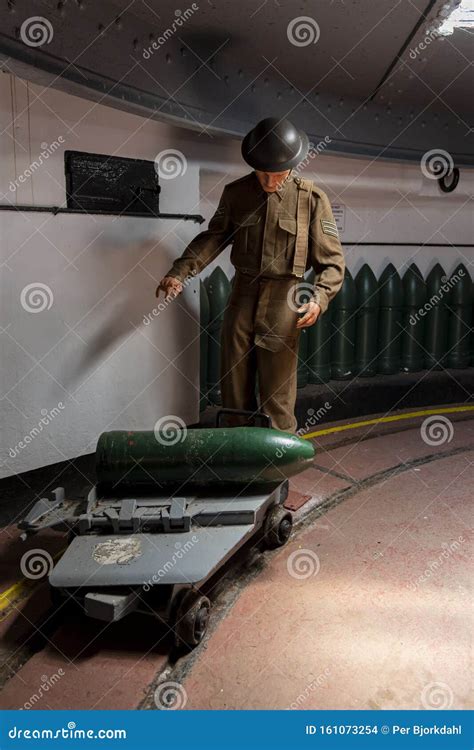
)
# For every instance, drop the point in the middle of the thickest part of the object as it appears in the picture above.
(170, 286)
(311, 312)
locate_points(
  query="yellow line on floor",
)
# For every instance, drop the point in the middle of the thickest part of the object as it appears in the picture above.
(13, 594)
(382, 420)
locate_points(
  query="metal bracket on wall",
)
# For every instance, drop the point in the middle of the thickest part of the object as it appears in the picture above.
(58, 210)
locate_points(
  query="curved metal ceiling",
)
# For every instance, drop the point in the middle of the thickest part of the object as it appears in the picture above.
(363, 77)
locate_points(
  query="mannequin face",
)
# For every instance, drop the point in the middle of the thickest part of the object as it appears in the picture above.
(271, 181)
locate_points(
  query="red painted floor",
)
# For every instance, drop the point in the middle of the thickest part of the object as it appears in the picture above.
(367, 606)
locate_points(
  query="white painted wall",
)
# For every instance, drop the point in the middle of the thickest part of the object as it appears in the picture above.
(90, 351)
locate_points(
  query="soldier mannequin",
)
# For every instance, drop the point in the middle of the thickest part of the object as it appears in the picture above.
(279, 227)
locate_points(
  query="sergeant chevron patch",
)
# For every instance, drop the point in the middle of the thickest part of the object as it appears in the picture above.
(329, 227)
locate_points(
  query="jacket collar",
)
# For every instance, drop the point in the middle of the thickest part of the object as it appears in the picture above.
(279, 193)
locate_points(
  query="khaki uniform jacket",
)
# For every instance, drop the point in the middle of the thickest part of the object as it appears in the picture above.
(262, 228)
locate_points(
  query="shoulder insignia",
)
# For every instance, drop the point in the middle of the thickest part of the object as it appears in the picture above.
(329, 227)
(303, 184)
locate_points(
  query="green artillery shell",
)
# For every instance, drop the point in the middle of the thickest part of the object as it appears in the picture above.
(366, 322)
(414, 297)
(319, 346)
(203, 344)
(436, 319)
(460, 318)
(210, 457)
(343, 321)
(218, 289)
(390, 321)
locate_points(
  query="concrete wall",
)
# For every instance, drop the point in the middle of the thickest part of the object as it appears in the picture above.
(90, 350)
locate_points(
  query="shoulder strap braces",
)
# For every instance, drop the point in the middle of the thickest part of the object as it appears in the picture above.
(302, 235)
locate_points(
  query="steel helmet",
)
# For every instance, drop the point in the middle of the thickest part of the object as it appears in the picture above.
(274, 145)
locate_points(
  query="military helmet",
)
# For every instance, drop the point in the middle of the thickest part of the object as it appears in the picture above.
(274, 145)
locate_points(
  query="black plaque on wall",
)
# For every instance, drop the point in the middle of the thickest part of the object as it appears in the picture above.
(114, 184)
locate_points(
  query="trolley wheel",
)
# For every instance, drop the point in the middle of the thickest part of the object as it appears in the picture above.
(192, 617)
(277, 527)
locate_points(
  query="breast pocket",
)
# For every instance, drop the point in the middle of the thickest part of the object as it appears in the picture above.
(247, 236)
(286, 239)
